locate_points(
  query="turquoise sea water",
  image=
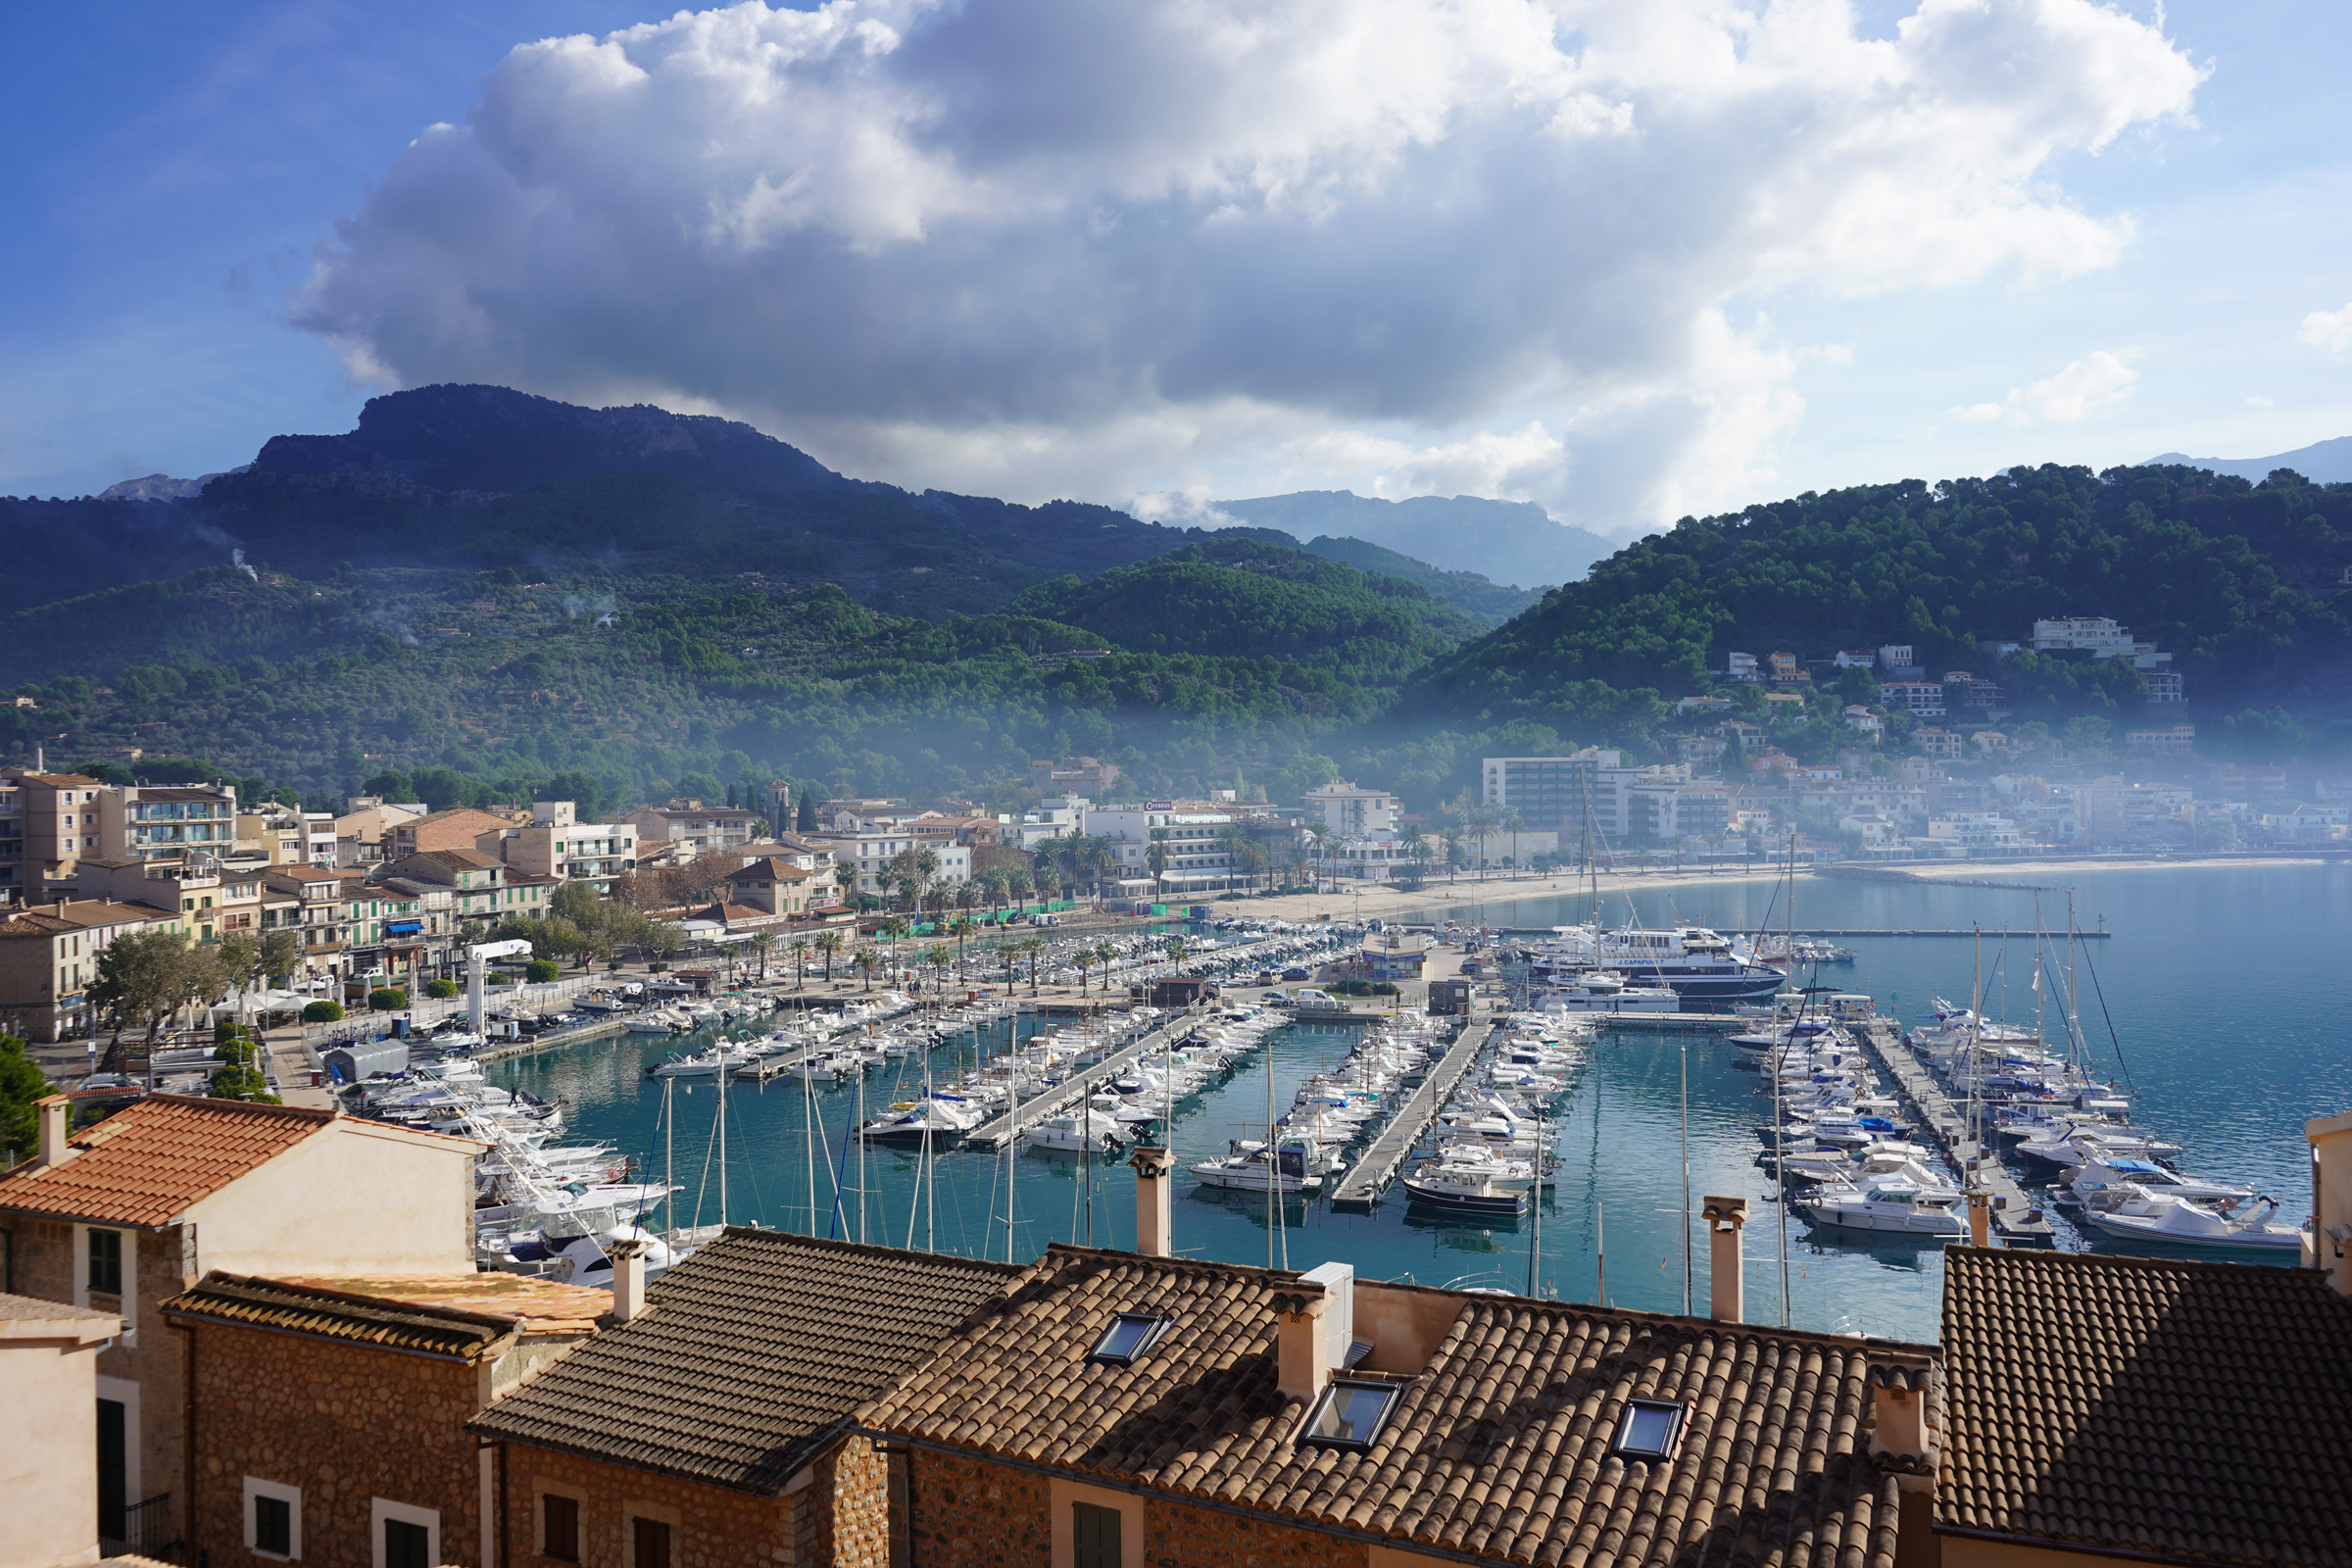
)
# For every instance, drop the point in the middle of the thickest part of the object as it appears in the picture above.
(2220, 983)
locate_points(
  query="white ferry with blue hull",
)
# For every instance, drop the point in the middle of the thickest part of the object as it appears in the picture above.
(1703, 967)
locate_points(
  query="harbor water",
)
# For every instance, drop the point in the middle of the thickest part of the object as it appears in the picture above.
(2213, 1000)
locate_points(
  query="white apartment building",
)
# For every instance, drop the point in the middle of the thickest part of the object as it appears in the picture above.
(1352, 812)
(557, 844)
(2097, 635)
(1622, 805)
(150, 822)
(1921, 699)
(872, 850)
(1196, 856)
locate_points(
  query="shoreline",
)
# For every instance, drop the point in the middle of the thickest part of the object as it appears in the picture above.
(1386, 900)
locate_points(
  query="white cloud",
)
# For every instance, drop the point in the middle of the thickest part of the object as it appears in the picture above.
(2330, 329)
(2089, 384)
(2084, 386)
(1048, 247)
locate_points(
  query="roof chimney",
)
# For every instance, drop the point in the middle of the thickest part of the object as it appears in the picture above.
(1726, 1294)
(1980, 1212)
(1339, 1311)
(1153, 1222)
(628, 1280)
(55, 1149)
(1304, 1367)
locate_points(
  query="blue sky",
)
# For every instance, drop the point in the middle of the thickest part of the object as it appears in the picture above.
(2120, 288)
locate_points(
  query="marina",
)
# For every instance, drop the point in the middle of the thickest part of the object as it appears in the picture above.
(1371, 1175)
(1363, 1129)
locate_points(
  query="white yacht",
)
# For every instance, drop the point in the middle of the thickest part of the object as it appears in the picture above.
(1698, 964)
(1605, 991)
(1890, 1204)
(1251, 1172)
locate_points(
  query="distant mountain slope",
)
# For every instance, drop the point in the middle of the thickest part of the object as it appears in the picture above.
(2322, 462)
(1513, 542)
(1490, 601)
(1248, 598)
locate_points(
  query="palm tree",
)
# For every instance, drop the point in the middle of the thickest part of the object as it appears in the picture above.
(1514, 824)
(1156, 857)
(993, 883)
(764, 943)
(1034, 946)
(1316, 833)
(1084, 959)
(845, 877)
(937, 958)
(866, 960)
(1176, 950)
(1017, 882)
(1452, 840)
(800, 961)
(1048, 882)
(831, 942)
(962, 926)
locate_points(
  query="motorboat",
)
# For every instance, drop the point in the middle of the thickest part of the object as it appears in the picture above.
(1464, 1191)
(1251, 1172)
(2135, 1213)
(937, 1122)
(1701, 966)
(1087, 1132)
(2145, 1174)
(1893, 1206)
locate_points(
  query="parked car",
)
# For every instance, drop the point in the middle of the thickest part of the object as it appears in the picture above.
(1297, 975)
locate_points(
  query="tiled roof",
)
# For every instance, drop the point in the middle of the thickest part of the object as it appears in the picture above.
(150, 1160)
(753, 1352)
(2198, 1412)
(533, 1304)
(259, 1303)
(1500, 1446)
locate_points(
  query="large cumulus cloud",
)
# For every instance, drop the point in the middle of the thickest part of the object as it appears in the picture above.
(1069, 246)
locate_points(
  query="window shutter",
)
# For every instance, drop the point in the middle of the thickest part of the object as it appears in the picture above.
(1095, 1535)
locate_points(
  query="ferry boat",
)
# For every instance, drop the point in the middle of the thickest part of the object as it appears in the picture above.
(1703, 967)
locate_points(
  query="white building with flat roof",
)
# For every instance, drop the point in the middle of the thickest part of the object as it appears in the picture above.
(1350, 811)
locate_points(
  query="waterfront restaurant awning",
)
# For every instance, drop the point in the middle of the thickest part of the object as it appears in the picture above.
(1197, 879)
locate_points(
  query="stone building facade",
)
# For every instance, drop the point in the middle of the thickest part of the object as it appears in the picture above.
(837, 1514)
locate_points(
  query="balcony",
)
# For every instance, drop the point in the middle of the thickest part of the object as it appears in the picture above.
(138, 1529)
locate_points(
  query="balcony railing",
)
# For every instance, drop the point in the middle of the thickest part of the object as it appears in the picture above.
(144, 1529)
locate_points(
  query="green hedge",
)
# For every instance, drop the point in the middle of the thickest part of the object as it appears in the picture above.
(322, 1012)
(441, 990)
(539, 971)
(386, 999)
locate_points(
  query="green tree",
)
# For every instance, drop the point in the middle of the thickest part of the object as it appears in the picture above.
(281, 956)
(387, 999)
(140, 978)
(441, 990)
(322, 1011)
(21, 1082)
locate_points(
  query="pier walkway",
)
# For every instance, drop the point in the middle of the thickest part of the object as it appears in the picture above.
(1361, 1186)
(999, 1131)
(2016, 1218)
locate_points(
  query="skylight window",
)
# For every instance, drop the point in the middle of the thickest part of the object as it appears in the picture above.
(1128, 1336)
(1649, 1430)
(1351, 1414)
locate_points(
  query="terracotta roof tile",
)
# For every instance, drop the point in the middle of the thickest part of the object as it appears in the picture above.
(150, 1160)
(2187, 1411)
(756, 1350)
(1500, 1447)
(251, 1303)
(532, 1305)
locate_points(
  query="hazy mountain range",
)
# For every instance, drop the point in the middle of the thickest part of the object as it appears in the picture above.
(1509, 541)
(2322, 462)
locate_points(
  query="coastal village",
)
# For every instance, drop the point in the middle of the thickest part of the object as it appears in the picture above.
(480, 1351)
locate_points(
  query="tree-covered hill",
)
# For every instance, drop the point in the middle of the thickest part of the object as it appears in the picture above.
(2243, 583)
(1250, 597)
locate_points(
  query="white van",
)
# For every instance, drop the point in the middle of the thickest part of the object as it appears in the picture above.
(1045, 919)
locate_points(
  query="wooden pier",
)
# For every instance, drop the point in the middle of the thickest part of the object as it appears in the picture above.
(999, 1131)
(1361, 1186)
(2016, 1218)
(1668, 1023)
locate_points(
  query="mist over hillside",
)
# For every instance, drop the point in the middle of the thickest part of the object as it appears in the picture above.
(1513, 542)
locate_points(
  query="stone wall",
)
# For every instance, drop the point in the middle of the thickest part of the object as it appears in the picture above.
(345, 1423)
(710, 1527)
(968, 1513)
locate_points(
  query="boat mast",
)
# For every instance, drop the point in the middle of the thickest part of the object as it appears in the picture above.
(1976, 1050)
(1273, 1160)
(669, 1154)
(1779, 1167)
(1535, 1249)
(1686, 1045)
(2074, 1001)
(722, 1137)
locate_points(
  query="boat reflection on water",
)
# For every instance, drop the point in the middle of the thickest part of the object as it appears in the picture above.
(1905, 1254)
(1252, 1207)
(1457, 1232)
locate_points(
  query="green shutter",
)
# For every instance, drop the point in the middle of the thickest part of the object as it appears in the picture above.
(1093, 1535)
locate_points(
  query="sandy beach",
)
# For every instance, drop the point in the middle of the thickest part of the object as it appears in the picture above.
(1495, 892)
